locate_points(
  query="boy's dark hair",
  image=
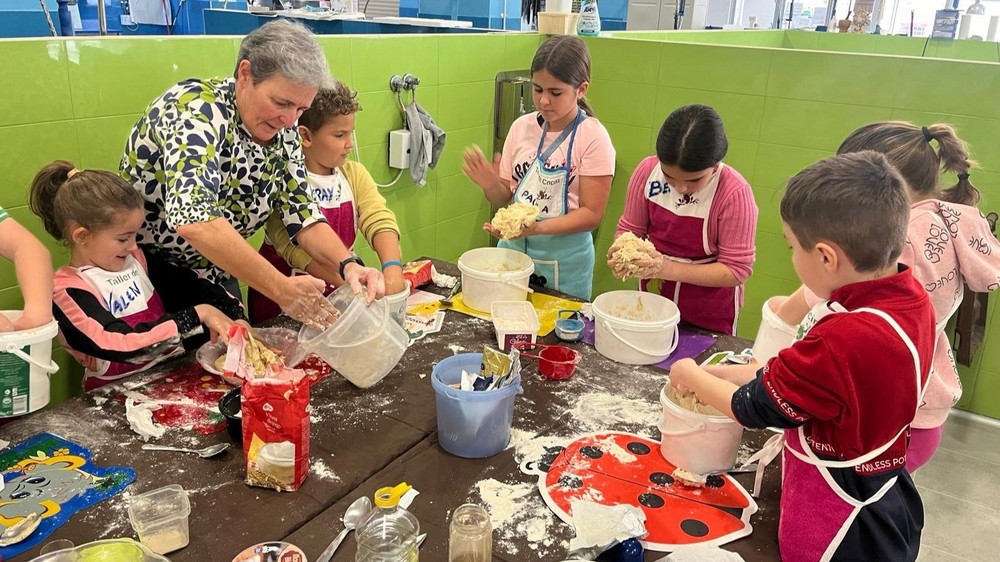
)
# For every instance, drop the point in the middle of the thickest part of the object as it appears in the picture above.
(857, 201)
(329, 103)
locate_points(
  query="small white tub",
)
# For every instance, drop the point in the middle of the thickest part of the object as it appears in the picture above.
(635, 341)
(699, 443)
(494, 274)
(774, 334)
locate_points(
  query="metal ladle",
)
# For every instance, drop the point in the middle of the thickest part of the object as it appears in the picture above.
(20, 530)
(357, 510)
(205, 453)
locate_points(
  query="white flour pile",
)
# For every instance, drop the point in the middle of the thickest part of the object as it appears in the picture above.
(320, 469)
(517, 510)
(599, 410)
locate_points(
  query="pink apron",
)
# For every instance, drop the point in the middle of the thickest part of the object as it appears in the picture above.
(679, 231)
(129, 296)
(337, 206)
(805, 533)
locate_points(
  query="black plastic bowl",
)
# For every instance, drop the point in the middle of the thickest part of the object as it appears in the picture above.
(230, 407)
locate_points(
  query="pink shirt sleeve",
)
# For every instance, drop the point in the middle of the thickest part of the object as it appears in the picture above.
(597, 158)
(635, 218)
(734, 218)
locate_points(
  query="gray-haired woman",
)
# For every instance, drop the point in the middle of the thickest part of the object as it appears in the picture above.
(213, 158)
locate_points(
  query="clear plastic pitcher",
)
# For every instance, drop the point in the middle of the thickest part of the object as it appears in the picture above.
(388, 533)
(363, 345)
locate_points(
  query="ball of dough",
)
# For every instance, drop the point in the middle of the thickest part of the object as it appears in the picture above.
(511, 220)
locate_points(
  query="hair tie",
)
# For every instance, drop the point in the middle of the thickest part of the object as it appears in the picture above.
(963, 176)
(928, 135)
(72, 173)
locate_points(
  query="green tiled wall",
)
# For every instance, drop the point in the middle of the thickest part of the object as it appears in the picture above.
(785, 109)
(79, 99)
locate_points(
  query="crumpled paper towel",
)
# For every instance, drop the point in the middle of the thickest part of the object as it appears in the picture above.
(701, 553)
(139, 413)
(442, 280)
(600, 527)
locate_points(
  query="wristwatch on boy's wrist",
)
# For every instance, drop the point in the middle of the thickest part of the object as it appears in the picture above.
(352, 259)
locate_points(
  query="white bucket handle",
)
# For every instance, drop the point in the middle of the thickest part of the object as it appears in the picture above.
(49, 369)
(683, 432)
(513, 283)
(673, 343)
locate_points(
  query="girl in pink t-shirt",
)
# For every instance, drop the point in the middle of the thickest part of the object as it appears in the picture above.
(949, 246)
(559, 159)
(700, 216)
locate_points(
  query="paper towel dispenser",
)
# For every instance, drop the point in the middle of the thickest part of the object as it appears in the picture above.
(513, 99)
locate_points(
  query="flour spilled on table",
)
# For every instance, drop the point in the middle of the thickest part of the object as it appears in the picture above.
(516, 511)
(456, 349)
(320, 469)
(598, 411)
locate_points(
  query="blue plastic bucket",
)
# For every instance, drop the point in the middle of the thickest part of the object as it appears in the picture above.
(471, 424)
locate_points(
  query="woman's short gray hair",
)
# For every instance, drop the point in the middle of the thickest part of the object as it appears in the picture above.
(288, 49)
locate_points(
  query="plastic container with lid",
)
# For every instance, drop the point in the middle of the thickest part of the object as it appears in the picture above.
(388, 533)
(160, 517)
(514, 321)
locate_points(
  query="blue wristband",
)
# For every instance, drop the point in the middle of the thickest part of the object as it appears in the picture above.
(391, 263)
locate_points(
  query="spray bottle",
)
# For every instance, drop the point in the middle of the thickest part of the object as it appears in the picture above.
(590, 19)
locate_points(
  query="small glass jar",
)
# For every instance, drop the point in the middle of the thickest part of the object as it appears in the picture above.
(470, 535)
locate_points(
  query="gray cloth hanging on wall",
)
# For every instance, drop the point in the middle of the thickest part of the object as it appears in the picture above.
(426, 142)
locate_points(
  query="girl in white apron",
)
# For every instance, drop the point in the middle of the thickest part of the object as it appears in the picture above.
(700, 216)
(559, 159)
(110, 317)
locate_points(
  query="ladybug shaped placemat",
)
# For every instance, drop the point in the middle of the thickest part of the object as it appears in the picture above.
(613, 468)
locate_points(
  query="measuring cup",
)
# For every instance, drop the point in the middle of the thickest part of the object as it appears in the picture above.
(569, 329)
(555, 362)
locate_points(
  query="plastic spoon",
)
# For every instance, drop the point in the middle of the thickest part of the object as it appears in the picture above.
(352, 517)
(20, 530)
(205, 453)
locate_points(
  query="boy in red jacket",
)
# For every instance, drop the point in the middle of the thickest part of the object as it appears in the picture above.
(847, 390)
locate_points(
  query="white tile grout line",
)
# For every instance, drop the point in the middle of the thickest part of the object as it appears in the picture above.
(946, 553)
(992, 422)
(922, 489)
(968, 455)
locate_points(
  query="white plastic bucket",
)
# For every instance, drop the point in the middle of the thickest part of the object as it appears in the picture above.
(397, 305)
(774, 334)
(635, 342)
(25, 366)
(494, 274)
(699, 443)
(363, 345)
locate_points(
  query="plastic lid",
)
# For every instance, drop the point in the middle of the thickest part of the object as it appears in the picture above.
(389, 497)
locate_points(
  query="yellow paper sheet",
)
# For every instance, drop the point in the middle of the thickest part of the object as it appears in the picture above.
(547, 307)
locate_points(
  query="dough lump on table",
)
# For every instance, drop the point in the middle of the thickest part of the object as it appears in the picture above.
(511, 220)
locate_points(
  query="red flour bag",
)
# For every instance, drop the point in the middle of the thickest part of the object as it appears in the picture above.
(276, 430)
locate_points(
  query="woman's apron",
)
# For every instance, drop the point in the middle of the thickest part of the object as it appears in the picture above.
(341, 215)
(564, 262)
(805, 533)
(679, 230)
